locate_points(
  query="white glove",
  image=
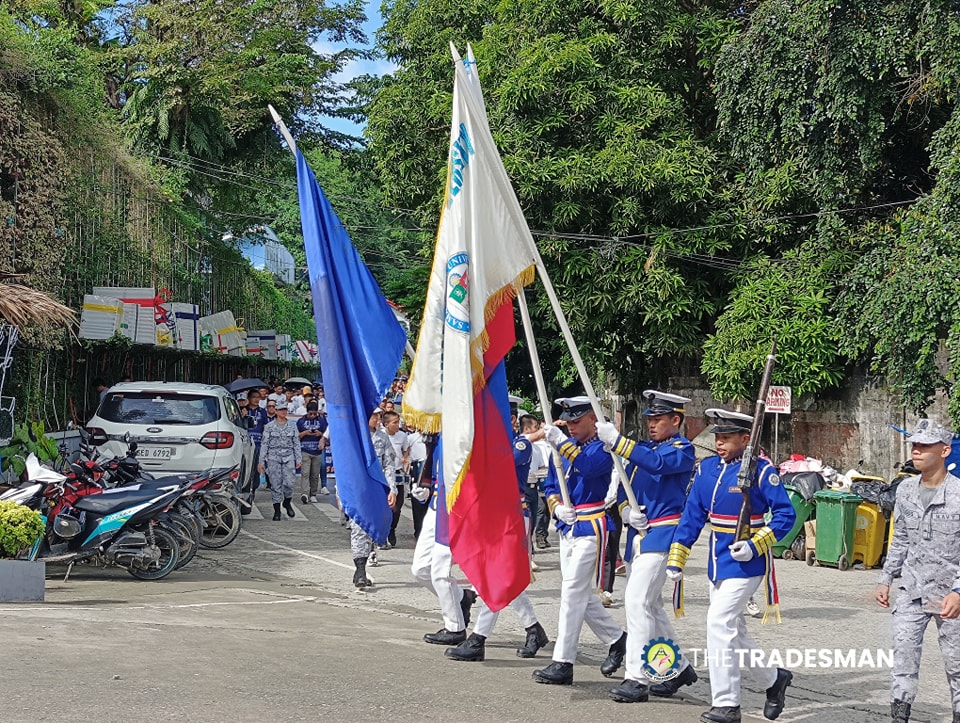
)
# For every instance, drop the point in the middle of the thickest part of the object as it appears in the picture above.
(741, 551)
(607, 434)
(554, 435)
(565, 514)
(674, 573)
(420, 494)
(635, 519)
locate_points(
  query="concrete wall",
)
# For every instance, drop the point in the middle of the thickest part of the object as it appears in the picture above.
(841, 427)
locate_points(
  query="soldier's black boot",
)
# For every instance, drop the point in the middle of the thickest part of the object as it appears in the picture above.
(288, 505)
(630, 691)
(466, 602)
(276, 511)
(900, 712)
(471, 649)
(615, 657)
(777, 695)
(536, 639)
(668, 687)
(445, 637)
(555, 674)
(360, 578)
(722, 714)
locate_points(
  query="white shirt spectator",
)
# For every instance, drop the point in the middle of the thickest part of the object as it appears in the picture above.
(543, 462)
(418, 448)
(401, 444)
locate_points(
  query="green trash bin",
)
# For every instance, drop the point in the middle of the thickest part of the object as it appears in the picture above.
(804, 509)
(836, 522)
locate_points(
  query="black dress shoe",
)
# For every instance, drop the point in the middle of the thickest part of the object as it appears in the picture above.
(470, 649)
(445, 637)
(466, 602)
(722, 714)
(668, 687)
(555, 674)
(615, 657)
(630, 691)
(777, 695)
(536, 639)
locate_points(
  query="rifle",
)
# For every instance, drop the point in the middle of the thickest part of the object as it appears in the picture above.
(748, 463)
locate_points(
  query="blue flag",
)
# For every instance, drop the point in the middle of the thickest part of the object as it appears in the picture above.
(360, 342)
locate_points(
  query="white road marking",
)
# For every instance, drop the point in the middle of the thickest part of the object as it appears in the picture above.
(297, 552)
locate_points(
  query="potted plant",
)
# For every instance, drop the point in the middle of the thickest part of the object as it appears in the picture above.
(20, 528)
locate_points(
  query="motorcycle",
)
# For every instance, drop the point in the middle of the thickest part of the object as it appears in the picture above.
(120, 528)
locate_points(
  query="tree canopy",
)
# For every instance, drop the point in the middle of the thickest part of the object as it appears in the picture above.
(703, 175)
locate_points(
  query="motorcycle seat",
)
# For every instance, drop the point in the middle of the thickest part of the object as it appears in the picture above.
(105, 504)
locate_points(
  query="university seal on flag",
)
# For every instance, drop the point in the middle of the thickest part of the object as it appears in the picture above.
(457, 315)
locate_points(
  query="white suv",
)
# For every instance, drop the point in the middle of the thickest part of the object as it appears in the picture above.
(178, 427)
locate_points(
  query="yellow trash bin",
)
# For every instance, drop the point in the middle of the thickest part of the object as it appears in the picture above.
(868, 534)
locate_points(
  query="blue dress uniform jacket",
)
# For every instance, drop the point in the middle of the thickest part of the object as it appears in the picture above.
(716, 498)
(587, 467)
(659, 473)
(522, 457)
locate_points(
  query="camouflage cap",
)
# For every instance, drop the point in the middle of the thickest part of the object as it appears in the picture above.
(930, 432)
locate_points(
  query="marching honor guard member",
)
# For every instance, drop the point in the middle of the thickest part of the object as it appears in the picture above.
(659, 471)
(473, 648)
(925, 555)
(362, 546)
(281, 459)
(433, 563)
(735, 568)
(583, 542)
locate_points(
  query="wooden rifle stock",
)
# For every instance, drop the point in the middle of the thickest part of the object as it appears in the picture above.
(748, 462)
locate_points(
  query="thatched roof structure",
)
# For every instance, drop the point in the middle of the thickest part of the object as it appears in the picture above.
(22, 306)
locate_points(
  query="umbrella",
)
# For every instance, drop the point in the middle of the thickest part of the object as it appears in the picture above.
(297, 382)
(241, 385)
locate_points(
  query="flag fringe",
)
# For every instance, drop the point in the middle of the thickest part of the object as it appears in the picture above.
(426, 422)
(479, 346)
(454, 492)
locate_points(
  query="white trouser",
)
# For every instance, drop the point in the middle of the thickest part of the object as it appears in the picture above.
(727, 635)
(432, 566)
(643, 603)
(487, 619)
(579, 601)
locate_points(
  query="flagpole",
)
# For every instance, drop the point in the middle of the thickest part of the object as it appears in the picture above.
(285, 132)
(581, 369)
(541, 389)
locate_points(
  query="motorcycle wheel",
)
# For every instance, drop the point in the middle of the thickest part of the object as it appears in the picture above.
(189, 542)
(169, 556)
(190, 517)
(222, 516)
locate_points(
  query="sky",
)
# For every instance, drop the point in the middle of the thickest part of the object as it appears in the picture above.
(357, 67)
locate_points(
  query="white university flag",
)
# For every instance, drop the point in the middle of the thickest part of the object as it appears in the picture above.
(484, 251)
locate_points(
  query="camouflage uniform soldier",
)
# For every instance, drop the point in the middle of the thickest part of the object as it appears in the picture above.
(281, 457)
(925, 555)
(361, 546)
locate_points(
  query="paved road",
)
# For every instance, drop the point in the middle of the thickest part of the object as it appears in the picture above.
(270, 628)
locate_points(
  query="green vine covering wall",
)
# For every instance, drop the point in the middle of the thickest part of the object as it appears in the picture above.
(77, 211)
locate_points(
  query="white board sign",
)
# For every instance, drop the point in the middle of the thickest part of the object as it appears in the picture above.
(778, 400)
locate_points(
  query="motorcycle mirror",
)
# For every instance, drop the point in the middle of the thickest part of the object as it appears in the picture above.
(133, 448)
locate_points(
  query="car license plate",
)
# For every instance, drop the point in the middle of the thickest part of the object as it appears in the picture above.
(154, 452)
